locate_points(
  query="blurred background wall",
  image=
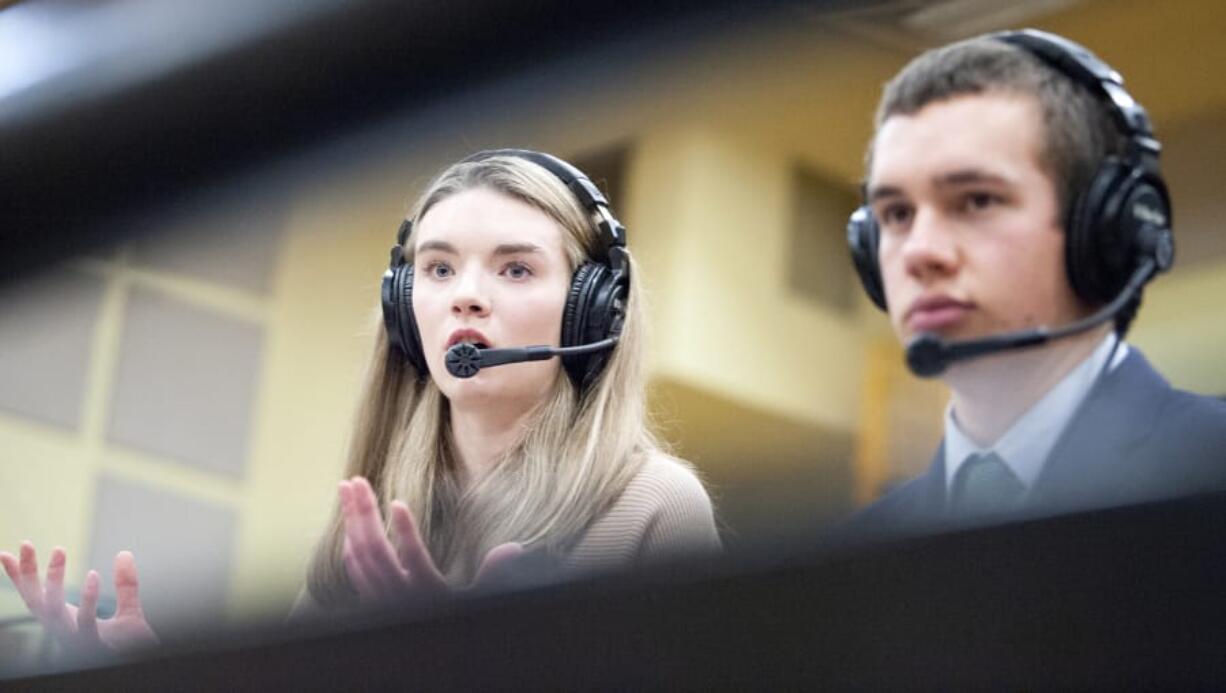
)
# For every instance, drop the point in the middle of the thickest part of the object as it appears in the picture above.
(187, 391)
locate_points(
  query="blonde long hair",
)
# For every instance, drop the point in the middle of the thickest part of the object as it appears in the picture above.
(578, 450)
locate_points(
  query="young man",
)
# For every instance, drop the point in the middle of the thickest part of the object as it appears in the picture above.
(1013, 190)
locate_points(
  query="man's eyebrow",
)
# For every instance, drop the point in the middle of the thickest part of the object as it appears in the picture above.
(442, 246)
(516, 248)
(878, 192)
(970, 175)
(944, 180)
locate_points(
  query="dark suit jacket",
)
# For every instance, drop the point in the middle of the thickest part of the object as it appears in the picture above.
(1134, 439)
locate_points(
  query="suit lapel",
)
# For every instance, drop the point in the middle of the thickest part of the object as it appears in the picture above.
(1095, 455)
(926, 494)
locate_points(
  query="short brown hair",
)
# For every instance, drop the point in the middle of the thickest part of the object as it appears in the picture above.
(1078, 129)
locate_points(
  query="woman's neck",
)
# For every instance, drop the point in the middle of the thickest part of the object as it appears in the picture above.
(480, 437)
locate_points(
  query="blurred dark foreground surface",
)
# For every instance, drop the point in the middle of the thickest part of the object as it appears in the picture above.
(1125, 598)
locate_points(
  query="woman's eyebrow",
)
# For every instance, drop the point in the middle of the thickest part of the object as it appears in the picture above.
(442, 246)
(516, 248)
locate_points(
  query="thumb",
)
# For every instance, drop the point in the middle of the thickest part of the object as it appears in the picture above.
(127, 585)
(498, 564)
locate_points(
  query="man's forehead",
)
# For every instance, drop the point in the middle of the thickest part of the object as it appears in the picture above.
(956, 140)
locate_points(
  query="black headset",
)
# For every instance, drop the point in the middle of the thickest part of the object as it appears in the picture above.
(595, 307)
(1120, 219)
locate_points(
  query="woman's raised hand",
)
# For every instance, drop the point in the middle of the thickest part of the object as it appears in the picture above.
(381, 569)
(78, 628)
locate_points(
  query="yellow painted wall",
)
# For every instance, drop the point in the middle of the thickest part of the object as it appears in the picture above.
(724, 314)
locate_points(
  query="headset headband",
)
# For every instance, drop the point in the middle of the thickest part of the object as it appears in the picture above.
(611, 232)
(1076, 62)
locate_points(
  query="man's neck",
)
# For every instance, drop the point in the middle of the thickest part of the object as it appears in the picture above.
(992, 393)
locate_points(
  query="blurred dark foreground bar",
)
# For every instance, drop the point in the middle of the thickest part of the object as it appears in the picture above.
(1131, 597)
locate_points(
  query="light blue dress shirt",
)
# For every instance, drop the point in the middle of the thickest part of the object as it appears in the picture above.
(1025, 446)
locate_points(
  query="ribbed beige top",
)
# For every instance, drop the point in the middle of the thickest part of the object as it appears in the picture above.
(663, 513)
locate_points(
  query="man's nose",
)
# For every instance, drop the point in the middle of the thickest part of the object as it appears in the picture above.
(930, 248)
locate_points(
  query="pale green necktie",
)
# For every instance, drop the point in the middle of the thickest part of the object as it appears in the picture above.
(984, 485)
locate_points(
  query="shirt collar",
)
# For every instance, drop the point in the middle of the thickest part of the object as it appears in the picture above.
(1025, 446)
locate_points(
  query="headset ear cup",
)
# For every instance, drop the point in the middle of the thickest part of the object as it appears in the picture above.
(400, 320)
(1098, 239)
(576, 303)
(595, 311)
(575, 317)
(606, 316)
(412, 337)
(862, 237)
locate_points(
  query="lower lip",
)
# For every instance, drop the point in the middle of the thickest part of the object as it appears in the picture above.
(935, 319)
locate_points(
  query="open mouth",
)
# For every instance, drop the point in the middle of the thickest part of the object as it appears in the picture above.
(469, 336)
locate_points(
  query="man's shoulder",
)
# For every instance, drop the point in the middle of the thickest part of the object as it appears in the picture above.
(1198, 412)
(914, 506)
(1190, 437)
(1145, 438)
(1177, 416)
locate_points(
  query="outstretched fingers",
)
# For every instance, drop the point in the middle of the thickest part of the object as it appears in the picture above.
(412, 550)
(9, 561)
(31, 595)
(368, 542)
(57, 615)
(44, 600)
(53, 594)
(357, 575)
(87, 612)
(24, 574)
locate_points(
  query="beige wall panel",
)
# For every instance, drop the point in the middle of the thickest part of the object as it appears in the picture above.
(46, 329)
(185, 382)
(729, 321)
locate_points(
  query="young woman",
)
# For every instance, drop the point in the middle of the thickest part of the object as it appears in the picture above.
(475, 473)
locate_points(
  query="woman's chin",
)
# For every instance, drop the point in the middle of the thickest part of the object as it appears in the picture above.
(480, 387)
(485, 390)
(521, 385)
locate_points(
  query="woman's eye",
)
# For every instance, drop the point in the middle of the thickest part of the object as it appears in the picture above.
(516, 270)
(438, 270)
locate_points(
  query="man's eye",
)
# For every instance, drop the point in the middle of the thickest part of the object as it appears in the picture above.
(895, 215)
(974, 202)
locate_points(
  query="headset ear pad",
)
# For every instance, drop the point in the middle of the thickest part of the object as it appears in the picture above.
(399, 319)
(593, 312)
(1103, 235)
(862, 241)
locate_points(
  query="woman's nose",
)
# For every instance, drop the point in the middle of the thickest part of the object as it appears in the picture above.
(469, 297)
